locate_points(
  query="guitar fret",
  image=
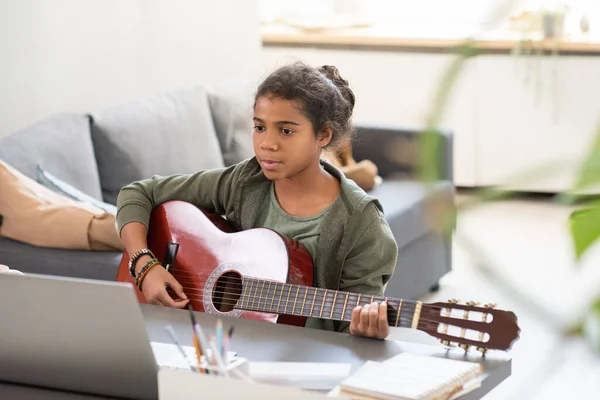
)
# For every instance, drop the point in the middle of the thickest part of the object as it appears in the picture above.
(257, 296)
(268, 295)
(295, 300)
(242, 301)
(323, 304)
(280, 295)
(313, 302)
(304, 302)
(287, 300)
(399, 309)
(333, 305)
(250, 297)
(272, 295)
(262, 288)
(344, 309)
(245, 293)
(273, 298)
(416, 315)
(358, 300)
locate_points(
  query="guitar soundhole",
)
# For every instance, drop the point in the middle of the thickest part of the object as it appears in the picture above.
(227, 291)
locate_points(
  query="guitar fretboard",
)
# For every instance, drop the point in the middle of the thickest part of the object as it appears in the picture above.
(289, 299)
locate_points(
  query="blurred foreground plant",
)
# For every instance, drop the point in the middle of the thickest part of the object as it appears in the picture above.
(584, 222)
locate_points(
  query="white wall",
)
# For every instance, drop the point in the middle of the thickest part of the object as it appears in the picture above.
(78, 55)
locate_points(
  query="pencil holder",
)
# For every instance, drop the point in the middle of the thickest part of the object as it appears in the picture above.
(237, 367)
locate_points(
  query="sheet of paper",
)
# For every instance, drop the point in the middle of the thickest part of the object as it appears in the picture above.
(306, 375)
(168, 356)
(183, 385)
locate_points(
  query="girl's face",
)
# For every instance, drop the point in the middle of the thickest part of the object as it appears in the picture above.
(285, 143)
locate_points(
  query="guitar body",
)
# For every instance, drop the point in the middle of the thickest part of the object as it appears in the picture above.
(212, 255)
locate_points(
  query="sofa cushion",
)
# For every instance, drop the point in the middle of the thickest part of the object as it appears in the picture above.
(48, 180)
(231, 109)
(166, 134)
(31, 259)
(408, 206)
(61, 144)
(34, 214)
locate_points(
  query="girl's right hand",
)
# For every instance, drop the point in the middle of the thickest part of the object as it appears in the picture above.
(155, 285)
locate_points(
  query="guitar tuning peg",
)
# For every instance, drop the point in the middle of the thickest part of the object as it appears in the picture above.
(472, 303)
(490, 305)
(464, 346)
(447, 343)
(453, 301)
(483, 350)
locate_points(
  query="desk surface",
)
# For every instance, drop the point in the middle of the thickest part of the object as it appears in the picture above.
(261, 341)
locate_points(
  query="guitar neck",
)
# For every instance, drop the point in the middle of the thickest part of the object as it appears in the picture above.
(305, 301)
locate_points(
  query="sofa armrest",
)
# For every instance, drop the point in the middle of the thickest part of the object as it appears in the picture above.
(395, 149)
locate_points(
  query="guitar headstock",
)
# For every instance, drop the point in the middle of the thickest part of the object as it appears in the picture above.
(469, 325)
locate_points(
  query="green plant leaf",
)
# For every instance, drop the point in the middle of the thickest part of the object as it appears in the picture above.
(431, 139)
(589, 173)
(585, 228)
(591, 326)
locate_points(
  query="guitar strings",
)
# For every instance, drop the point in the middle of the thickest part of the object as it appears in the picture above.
(263, 282)
(327, 311)
(327, 308)
(260, 281)
(407, 305)
(403, 320)
(320, 297)
(405, 317)
(393, 317)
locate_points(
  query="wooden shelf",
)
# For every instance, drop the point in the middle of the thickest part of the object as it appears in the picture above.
(382, 38)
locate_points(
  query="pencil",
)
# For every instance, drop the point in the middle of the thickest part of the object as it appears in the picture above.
(175, 339)
(216, 358)
(226, 345)
(198, 353)
(196, 339)
(219, 335)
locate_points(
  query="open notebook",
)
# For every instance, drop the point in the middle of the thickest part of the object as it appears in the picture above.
(411, 377)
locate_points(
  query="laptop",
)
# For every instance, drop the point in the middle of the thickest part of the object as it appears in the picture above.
(78, 335)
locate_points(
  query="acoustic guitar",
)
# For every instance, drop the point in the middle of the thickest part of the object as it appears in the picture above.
(262, 275)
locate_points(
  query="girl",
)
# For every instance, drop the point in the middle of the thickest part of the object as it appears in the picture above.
(298, 112)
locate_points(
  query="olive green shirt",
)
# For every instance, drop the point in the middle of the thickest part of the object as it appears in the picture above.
(355, 250)
(305, 230)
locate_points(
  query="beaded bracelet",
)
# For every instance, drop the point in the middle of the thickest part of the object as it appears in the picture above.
(133, 260)
(144, 271)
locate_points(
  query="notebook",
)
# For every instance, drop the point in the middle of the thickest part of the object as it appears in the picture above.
(412, 377)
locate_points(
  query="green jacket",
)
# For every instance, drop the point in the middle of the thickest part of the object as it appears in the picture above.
(356, 252)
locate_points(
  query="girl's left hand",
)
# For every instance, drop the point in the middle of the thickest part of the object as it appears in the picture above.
(370, 320)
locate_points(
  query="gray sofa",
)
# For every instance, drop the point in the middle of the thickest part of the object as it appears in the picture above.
(196, 128)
